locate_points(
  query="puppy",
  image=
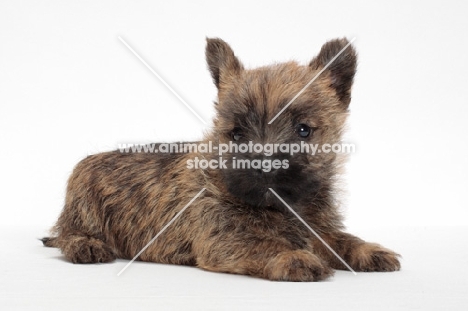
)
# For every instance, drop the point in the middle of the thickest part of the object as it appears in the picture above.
(116, 202)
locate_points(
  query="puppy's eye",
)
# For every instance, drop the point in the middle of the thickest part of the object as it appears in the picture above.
(236, 133)
(303, 130)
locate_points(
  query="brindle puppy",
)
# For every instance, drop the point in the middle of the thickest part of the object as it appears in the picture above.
(116, 202)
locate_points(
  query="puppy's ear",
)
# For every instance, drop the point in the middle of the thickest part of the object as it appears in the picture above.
(222, 62)
(342, 69)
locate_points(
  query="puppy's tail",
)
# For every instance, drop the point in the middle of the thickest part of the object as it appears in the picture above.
(49, 242)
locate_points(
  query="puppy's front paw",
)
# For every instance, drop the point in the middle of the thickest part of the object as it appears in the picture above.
(297, 266)
(373, 257)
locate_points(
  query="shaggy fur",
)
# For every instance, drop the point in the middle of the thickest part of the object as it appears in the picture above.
(117, 202)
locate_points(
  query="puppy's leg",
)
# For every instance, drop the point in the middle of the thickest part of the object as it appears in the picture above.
(360, 255)
(270, 259)
(81, 248)
(298, 265)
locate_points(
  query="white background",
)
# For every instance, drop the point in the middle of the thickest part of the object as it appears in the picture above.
(69, 88)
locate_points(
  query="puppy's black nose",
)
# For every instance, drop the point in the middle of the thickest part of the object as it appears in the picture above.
(266, 168)
(266, 171)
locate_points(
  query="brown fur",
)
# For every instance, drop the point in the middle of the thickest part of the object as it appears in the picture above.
(117, 202)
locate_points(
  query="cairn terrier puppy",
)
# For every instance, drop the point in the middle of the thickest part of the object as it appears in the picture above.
(116, 202)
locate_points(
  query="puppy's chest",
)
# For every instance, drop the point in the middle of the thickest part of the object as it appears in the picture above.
(260, 222)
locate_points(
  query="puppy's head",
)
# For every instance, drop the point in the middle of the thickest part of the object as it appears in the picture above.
(254, 107)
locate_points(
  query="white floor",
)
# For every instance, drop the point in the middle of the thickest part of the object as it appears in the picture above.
(434, 276)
